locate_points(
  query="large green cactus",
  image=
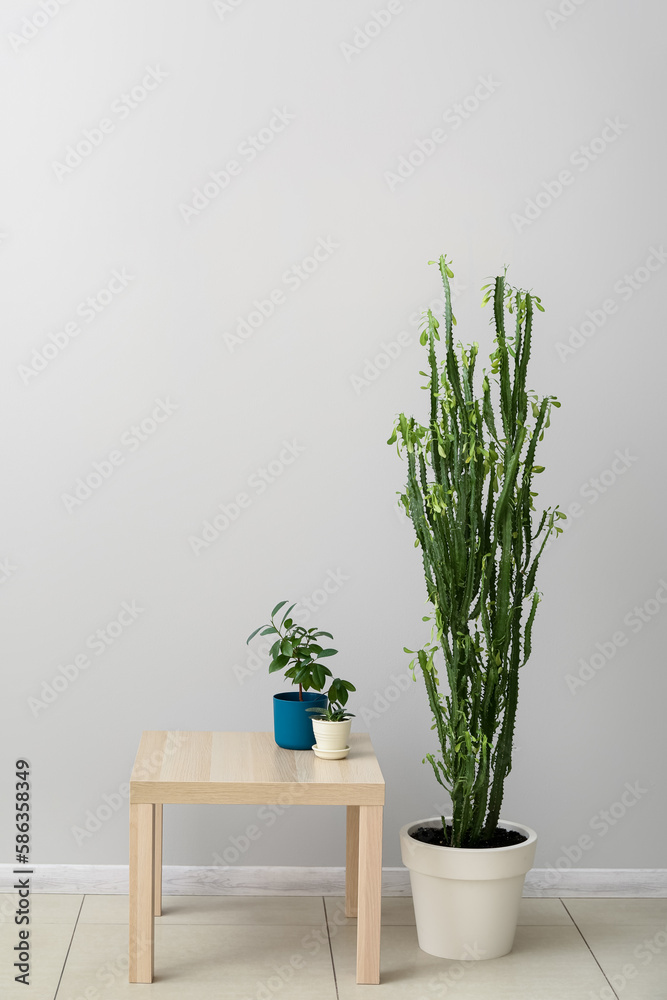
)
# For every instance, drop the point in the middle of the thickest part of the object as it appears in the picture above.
(470, 498)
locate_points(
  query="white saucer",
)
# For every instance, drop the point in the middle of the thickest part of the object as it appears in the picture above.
(330, 754)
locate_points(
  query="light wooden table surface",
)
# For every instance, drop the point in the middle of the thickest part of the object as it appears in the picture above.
(236, 768)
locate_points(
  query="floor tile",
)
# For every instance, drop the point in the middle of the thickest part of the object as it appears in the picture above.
(239, 910)
(541, 912)
(45, 907)
(250, 946)
(548, 962)
(203, 962)
(634, 958)
(618, 911)
(396, 911)
(48, 944)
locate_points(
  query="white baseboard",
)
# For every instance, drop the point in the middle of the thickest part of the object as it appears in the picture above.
(632, 882)
(189, 880)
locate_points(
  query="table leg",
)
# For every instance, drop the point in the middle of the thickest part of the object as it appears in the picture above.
(142, 876)
(157, 883)
(352, 862)
(370, 894)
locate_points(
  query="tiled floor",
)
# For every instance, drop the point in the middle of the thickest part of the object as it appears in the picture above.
(261, 948)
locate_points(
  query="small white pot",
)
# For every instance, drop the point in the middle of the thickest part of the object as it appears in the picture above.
(466, 900)
(331, 735)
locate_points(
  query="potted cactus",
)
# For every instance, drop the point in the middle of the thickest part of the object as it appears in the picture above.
(332, 722)
(297, 651)
(470, 496)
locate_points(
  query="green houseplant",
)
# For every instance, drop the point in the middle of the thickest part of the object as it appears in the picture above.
(299, 653)
(470, 497)
(332, 722)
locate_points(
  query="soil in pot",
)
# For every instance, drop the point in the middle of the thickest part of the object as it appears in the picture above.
(435, 835)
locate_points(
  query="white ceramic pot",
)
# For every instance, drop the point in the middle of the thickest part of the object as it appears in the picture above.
(331, 735)
(466, 900)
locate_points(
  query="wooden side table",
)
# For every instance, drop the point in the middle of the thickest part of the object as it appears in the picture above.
(248, 768)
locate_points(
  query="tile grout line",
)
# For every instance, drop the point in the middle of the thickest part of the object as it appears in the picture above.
(590, 949)
(76, 924)
(333, 966)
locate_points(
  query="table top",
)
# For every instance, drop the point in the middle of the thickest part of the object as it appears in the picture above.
(205, 767)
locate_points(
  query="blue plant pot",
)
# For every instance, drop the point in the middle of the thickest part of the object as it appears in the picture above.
(292, 724)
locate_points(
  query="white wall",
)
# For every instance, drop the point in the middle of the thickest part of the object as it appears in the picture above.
(219, 71)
